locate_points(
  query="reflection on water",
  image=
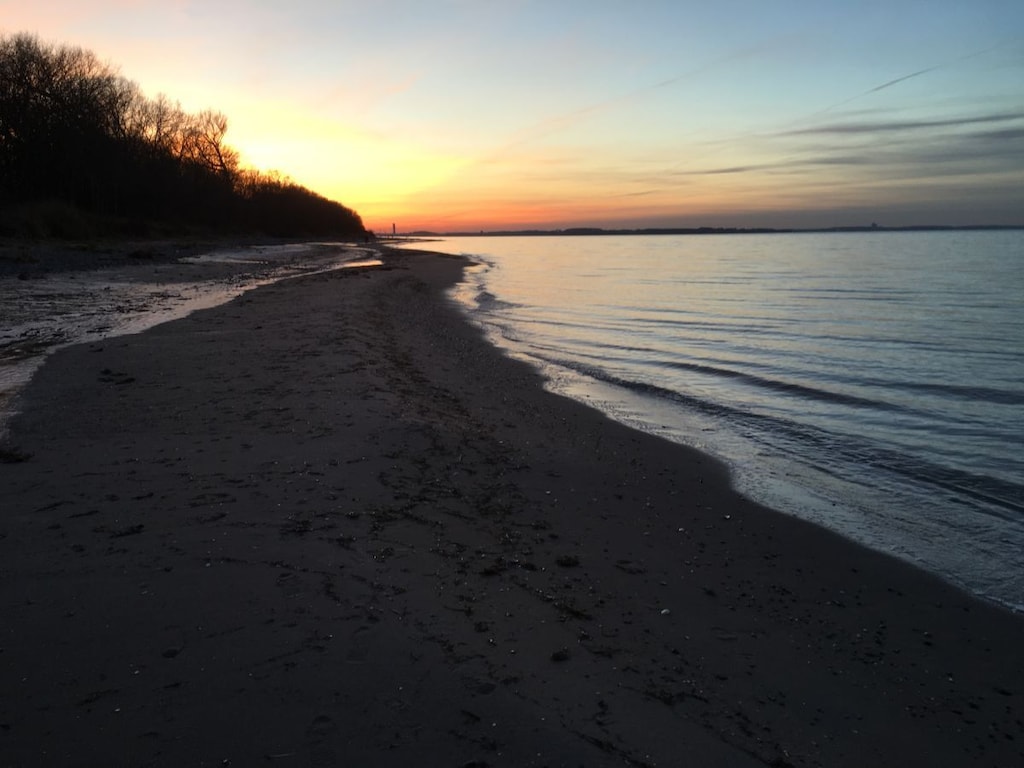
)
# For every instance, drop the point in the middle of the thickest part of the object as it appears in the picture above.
(40, 315)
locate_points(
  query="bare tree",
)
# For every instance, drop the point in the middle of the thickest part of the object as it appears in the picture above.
(166, 124)
(204, 144)
(75, 132)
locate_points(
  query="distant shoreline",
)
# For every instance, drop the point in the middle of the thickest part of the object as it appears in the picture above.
(598, 231)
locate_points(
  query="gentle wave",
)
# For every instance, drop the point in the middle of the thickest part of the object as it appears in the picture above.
(959, 392)
(871, 382)
(1000, 494)
(786, 387)
(487, 301)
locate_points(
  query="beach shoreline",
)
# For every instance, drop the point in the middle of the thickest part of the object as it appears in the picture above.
(54, 295)
(34, 259)
(328, 523)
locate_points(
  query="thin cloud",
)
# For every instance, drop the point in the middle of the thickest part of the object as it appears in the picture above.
(735, 169)
(911, 150)
(1008, 134)
(890, 126)
(643, 193)
(898, 80)
(560, 122)
(911, 76)
(790, 164)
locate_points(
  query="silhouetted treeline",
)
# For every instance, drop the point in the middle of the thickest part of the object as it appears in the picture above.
(81, 148)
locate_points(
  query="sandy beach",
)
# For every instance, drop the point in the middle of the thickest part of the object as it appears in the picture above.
(328, 524)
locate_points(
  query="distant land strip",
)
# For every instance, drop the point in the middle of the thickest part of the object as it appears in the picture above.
(578, 231)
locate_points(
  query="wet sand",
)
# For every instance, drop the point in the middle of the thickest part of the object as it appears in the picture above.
(34, 259)
(328, 524)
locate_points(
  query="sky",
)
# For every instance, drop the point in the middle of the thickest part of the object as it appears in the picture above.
(467, 115)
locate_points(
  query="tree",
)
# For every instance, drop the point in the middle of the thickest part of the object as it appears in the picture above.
(74, 131)
(203, 144)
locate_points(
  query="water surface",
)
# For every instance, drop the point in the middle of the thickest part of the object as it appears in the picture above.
(871, 382)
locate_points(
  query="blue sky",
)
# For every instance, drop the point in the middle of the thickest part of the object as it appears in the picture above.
(474, 115)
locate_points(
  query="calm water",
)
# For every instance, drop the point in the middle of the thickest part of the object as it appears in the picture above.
(872, 382)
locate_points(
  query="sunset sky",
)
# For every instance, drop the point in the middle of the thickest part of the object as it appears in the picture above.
(472, 114)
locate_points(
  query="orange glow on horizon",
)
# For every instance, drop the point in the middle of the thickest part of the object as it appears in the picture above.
(484, 116)
(447, 208)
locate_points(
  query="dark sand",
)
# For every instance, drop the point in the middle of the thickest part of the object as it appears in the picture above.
(328, 525)
(34, 259)
(30, 260)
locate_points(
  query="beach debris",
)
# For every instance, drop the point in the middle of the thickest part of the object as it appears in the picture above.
(13, 456)
(629, 567)
(665, 611)
(130, 530)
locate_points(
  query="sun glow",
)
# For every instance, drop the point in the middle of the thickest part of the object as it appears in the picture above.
(491, 116)
(367, 170)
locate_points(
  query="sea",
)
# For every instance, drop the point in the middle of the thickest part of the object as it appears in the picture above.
(871, 382)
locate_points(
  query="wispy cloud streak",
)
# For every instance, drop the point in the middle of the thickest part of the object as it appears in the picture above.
(889, 126)
(911, 76)
(898, 80)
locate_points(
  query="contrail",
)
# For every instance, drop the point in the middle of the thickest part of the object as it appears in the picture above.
(891, 83)
(560, 122)
(912, 75)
